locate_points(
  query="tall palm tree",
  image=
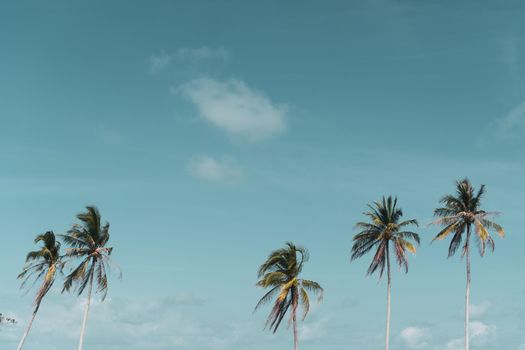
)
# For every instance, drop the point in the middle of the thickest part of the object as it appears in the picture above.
(280, 272)
(385, 230)
(42, 264)
(87, 242)
(459, 214)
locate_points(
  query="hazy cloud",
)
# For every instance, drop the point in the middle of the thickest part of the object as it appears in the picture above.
(234, 107)
(479, 310)
(513, 123)
(414, 337)
(481, 334)
(222, 170)
(123, 324)
(313, 330)
(163, 60)
(108, 135)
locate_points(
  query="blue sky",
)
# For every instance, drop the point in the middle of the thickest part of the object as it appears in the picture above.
(209, 133)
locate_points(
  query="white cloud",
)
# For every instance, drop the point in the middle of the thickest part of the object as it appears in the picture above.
(233, 106)
(223, 170)
(479, 310)
(513, 122)
(117, 324)
(455, 344)
(159, 62)
(480, 335)
(415, 337)
(163, 60)
(313, 330)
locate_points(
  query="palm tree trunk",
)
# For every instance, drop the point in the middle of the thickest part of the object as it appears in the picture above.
(86, 310)
(467, 292)
(22, 341)
(295, 335)
(387, 298)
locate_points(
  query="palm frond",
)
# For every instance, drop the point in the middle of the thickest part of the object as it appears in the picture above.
(446, 231)
(378, 262)
(280, 271)
(491, 225)
(305, 302)
(267, 297)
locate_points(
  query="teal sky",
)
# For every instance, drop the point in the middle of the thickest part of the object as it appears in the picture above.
(209, 133)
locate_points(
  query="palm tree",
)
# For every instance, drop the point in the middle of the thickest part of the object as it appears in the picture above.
(385, 230)
(42, 264)
(459, 214)
(87, 242)
(280, 272)
(5, 320)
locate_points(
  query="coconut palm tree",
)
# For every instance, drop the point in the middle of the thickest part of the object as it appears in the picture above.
(6, 320)
(459, 214)
(385, 231)
(87, 241)
(280, 272)
(42, 264)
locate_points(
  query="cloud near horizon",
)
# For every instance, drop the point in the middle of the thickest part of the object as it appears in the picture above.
(234, 107)
(123, 323)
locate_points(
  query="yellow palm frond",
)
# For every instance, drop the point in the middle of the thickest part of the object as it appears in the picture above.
(446, 231)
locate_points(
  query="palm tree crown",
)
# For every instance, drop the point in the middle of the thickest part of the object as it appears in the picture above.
(88, 241)
(42, 264)
(280, 272)
(462, 211)
(458, 215)
(384, 228)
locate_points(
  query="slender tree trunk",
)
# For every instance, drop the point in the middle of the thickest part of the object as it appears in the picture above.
(295, 335)
(387, 298)
(22, 341)
(86, 310)
(467, 292)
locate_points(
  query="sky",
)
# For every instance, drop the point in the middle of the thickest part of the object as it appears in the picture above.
(210, 133)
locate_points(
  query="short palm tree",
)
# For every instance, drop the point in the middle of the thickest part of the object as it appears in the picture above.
(384, 231)
(280, 272)
(42, 264)
(458, 215)
(87, 242)
(6, 320)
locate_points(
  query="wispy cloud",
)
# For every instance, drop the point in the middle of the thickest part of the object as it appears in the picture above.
(415, 337)
(510, 55)
(187, 299)
(313, 330)
(513, 123)
(124, 324)
(234, 107)
(221, 170)
(481, 334)
(163, 60)
(477, 311)
(108, 135)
